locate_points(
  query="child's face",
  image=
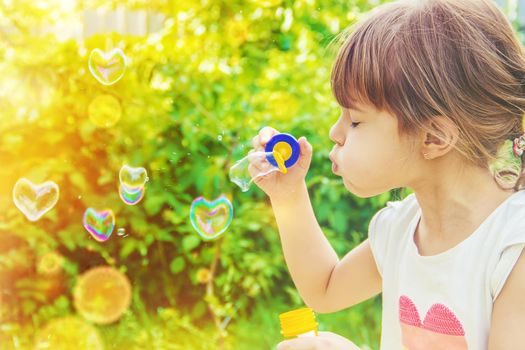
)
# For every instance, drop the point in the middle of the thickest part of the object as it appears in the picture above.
(369, 156)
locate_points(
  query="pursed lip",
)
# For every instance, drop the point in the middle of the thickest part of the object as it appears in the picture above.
(334, 163)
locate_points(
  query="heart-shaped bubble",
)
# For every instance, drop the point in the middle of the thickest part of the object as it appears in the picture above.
(133, 179)
(99, 224)
(211, 219)
(35, 200)
(107, 67)
(131, 198)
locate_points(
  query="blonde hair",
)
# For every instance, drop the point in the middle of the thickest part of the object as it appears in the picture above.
(456, 58)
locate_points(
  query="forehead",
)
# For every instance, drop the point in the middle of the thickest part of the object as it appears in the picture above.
(359, 107)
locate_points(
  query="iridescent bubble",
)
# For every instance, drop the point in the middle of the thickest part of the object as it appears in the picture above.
(102, 294)
(35, 200)
(107, 67)
(132, 184)
(211, 219)
(121, 232)
(131, 198)
(133, 179)
(99, 224)
(252, 167)
(104, 111)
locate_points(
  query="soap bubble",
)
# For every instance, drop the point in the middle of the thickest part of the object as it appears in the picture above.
(107, 67)
(251, 167)
(104, 111)
(35, 200)
(133, 179)
(131, 198)
(69, 332)
(211, 219)
(99, 224)
(122, 232)
(132, 184)
(102, 294)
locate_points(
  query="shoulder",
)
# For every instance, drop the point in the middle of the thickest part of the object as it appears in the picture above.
(388, 226)
(506, 241)
(512, 221)
(398, 210)
(508, 313)
(395, 215)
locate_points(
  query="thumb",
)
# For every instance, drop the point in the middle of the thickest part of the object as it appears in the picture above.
(306, 153)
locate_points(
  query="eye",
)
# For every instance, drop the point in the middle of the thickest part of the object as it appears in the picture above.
(355, 124)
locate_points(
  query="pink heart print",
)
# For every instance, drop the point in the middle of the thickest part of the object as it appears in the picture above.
(440, 329)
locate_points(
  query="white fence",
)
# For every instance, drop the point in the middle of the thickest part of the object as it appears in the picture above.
(99, 21)
(122, 21)
(142, 22)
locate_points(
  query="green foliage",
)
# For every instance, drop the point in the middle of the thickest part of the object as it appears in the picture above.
(193, 96)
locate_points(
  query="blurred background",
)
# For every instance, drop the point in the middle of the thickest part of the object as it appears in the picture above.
(200, 78)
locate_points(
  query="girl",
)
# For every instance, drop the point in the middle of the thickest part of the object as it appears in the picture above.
(430, 91)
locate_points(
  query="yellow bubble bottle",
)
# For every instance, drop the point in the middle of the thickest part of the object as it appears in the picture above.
(298, 323)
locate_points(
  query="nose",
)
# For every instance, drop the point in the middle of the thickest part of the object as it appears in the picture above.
(336, 133)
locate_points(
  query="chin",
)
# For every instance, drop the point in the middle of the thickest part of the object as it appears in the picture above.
(359, 192)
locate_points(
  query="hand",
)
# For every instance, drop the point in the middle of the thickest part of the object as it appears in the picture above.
(323, 341)
(277, 183)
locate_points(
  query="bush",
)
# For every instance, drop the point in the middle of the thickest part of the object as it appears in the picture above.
(192, 97)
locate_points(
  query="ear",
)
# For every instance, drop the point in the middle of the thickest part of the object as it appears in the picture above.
(440, 138)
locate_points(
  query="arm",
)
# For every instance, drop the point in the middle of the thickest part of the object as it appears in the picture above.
(508, 313)
(325, 283)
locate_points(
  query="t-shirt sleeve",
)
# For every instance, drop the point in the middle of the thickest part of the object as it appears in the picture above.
(504, 266)
(378, 236)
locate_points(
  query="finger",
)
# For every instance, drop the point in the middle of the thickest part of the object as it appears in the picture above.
(280, 346)
(256, 141)
(306, 343)
(306, 153)
(257, 157)
(254, 170)
(325, 334)
(284, 345)
(258, 172)
(266, 134)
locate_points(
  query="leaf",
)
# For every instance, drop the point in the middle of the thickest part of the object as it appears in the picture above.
(190, 242)
(177, 265)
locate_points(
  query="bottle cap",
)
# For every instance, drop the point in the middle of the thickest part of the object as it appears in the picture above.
(296, 322)
(287, 146)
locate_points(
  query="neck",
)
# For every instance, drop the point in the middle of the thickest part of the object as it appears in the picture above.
(454, 204)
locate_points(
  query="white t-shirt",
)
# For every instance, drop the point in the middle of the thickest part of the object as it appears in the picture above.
(443, 301)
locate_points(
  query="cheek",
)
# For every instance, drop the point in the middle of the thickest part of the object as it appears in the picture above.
(367, 164)
(355, 160)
